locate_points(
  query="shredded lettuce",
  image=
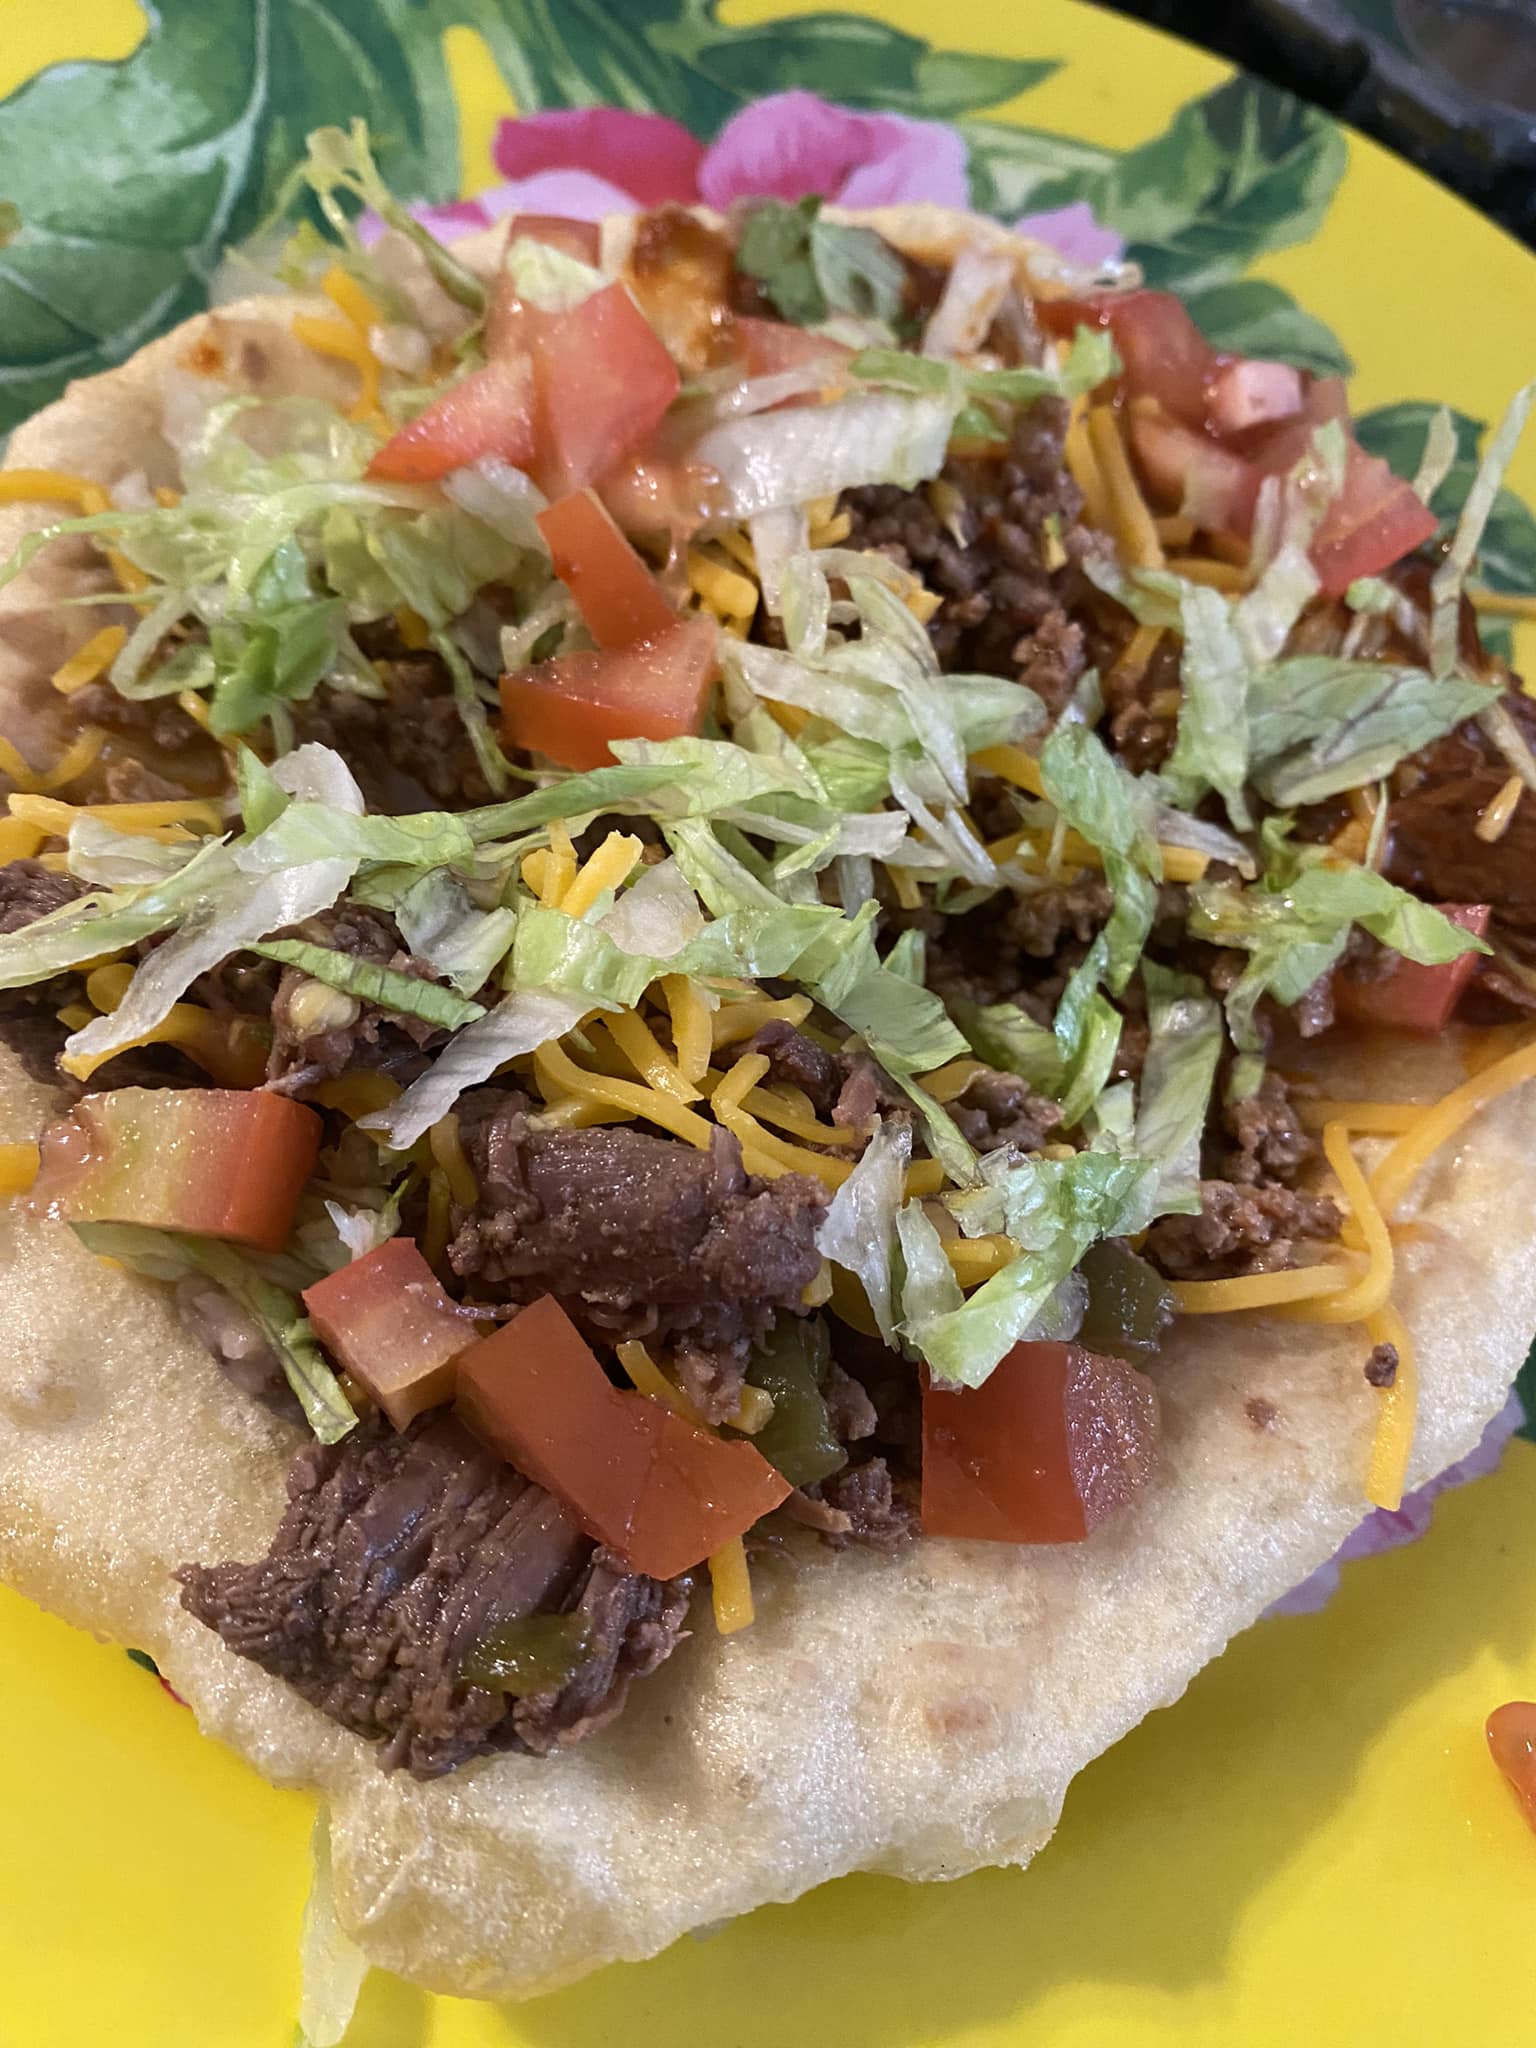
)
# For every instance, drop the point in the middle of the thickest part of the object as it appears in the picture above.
(1294, 926)
(1009, 1038)
(441, 925)
(1177, 1077)
(555, 952)
(1211, 747)
(772, 460)
(521, 1022)
(1087, 1032)
(1320, 725)
(1445, 590)
(405, 994)
(1108, 807)
(1054, 1210)
(168, 1255)
(1089, 362)
(332, 1966)
(858, 1231)
(929, 1288)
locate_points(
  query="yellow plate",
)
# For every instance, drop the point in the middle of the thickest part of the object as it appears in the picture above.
(1313, 1845)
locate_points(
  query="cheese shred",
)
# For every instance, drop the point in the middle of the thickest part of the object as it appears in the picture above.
(1396, 1173)
(730, 1588)
(1387, 1472)
(18, 1169)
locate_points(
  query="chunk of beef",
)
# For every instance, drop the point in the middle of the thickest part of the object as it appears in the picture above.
(999, 1109)
(985, 555)
(635, 1235)
(1432, 846)
(396, 1557)
(879, 1514)
(799, 1060)
(29, 891)
(1239, 1230)
(1268, 1140)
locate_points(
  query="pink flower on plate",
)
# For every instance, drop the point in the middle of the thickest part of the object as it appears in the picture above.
(793, 143)
(584, 162)
(1075, 233)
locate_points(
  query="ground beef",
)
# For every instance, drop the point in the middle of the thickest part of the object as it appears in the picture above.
(999, 1109)
(800, 1061)
(1381, 1366)
(1001, 612)
(996, 952)
(1268, 1142)
(399, 1555)
(408, 749)
(1239, 1230)
(29, 891)
(635, 1235)
(879, 1514)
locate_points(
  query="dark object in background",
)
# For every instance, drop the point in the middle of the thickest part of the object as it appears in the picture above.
(1449, 84)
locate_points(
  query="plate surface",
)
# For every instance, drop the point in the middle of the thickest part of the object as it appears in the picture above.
(1312, 1844)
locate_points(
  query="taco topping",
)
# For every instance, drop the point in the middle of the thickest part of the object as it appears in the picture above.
(690, 929)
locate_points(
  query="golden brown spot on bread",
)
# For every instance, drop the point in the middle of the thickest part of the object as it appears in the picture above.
(204, 357)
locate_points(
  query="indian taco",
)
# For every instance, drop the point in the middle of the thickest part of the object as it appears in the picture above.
(767, 987)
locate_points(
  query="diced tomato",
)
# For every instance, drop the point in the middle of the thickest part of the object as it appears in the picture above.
(657, 1490)
(1187, 471)
(386, 1319)
(582, 239)
(1052, 1443)
(1245, 393)
(571, 707)
(224, 1162)
(602, 380)
(1375, 520)
(1410, 997)
(616, 594)
(1511, 1732)
(1162, 352)
(489, 412)
(769, 346)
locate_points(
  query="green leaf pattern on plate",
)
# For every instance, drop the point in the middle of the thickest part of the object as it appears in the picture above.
(191, 136)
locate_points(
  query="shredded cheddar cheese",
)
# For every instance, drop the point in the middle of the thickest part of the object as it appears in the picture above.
(770, 1105)
(945, 1083)
(726, 592)
(1013, 765)
(18, 1169)
(55, 817)
(434, 1238)
(1502, 604)
(745, 1074)
(733, 1022)
(415, 633)
(1130, 519)
(650, 1380)
(20, 486)
(905, 885)
(608, 868)
(350, 300)
(1387, 1472)
(358, 1094)
(1224, 576)
(1496, 819)
(730, 1588)
(1376, 1119)
(1259, 1290)
(975, 1259)
(1083, 463)
(448, 1150)
(345, 343)
(1132, 662)
(1439, 1123)
(90, 660)
(1371, 1290)
(640, 1046)
(18, 839)
(692, 1022)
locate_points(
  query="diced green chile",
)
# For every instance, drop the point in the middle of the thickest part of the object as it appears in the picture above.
(538, 1654)
(1129, 1304)
(797, 1439)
